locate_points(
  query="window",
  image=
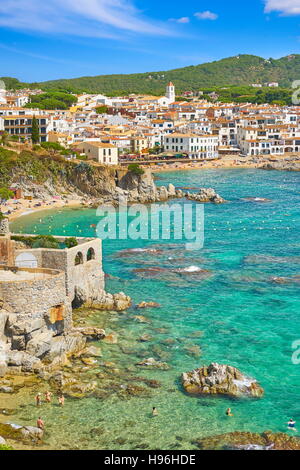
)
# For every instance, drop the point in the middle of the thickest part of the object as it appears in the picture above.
(78, 259)
(90, 254)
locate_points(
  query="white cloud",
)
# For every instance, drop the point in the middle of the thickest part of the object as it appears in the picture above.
(206, 15)
(285, 7)
(183, 20)
(91, 18)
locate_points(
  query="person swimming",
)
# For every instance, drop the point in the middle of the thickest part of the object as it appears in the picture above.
(228, 412)
(154, 411)
(291, 425)
(48, 397)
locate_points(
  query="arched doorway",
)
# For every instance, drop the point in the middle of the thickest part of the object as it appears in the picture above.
(78, 259)
(90, 254)
(26, 260)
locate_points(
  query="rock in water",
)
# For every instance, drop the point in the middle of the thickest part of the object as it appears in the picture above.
(206, 195)
(219, 379)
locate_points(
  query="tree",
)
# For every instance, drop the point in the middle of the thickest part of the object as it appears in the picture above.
(35, 131)
(135, 169)
(6, 194)
(4, 138)
(101, 109)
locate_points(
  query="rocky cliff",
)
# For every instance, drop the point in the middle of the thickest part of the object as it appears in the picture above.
(44, 176)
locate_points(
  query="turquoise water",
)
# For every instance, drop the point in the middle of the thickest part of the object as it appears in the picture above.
(246, 319)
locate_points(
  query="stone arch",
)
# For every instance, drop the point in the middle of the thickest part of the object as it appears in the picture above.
(26, 260)
(90, 254)
(78, 258)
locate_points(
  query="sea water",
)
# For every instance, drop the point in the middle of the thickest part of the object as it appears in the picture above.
(236, 314)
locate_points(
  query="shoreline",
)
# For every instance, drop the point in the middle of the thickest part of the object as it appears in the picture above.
(227, 163)
(44, 207)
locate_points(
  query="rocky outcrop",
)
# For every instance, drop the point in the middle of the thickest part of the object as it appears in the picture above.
(4, 226)
(91, 332)
(219, 379)
(148, 305)
(20, 433)
(114, 302)
(151, 363)
(249, 441)
(206, 195)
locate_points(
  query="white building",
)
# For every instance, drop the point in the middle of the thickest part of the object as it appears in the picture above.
(196, 146)
(100, 152)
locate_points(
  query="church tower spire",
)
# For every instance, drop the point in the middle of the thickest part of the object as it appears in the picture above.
(170, 94)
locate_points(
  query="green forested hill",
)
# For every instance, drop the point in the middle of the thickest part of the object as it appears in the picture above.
(239, 70)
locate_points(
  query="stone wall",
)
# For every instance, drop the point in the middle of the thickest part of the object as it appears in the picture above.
(84, 281)
(7, 251)
(34, 310)
(4, 226)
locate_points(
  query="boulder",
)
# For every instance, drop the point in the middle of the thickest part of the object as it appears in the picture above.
(152, 363)
(6, 389)
(163, 193)
(249, 441)
(91, 351)
(40, 344)
(20, 433)
(24, 327)
(3, 320)
(114, 302)
(91, 332)
(145, 338)
(171, 190)
(148, 305)
(219, 379)
(206, 195)
(2, 441)
(112, 338)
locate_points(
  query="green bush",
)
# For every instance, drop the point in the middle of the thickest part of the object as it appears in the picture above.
(135, 169)
(52, 146)
(6, 447)
(40, 241)
(6, 194)
(71, 242)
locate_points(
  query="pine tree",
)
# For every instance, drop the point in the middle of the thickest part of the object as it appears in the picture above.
(35, 132)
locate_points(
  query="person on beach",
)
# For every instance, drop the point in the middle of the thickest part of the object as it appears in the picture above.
(40, 424)
(38, 399)
(154, 411)
(48, 397)
(228, 412)
(291, 424)
(61, 400)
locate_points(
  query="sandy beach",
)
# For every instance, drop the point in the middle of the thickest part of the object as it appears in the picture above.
(228, 162)
(14, 209)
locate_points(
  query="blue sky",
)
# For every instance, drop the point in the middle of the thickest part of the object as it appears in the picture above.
(71, 38)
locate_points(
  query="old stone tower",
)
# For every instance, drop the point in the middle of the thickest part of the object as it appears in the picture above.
(170, 94)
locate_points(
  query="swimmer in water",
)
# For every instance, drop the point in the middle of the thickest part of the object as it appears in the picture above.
(291, 425)
(154, 411)
(48, 397)
(228, 412)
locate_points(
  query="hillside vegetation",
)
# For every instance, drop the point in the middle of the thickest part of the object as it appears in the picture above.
(240, 70)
